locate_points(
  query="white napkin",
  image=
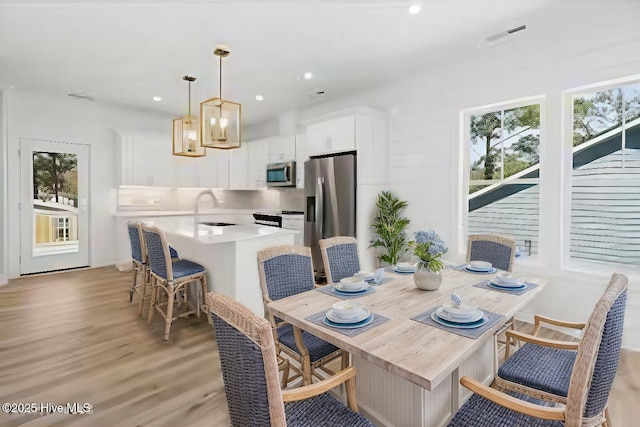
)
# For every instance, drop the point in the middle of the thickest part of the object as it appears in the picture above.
(378, 276)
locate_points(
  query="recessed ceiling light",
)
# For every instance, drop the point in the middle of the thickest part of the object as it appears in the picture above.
(308, 75)
(415, 9)
(259, 98)
(157, 98)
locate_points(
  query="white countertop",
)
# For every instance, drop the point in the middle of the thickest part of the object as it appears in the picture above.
(208, 235)
(219, 211)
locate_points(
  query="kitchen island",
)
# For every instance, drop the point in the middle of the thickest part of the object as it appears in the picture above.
(228, 253)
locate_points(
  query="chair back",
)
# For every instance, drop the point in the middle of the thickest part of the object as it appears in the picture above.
(598, 355)
(340, 257)
(498, 250)
(158, 252)
(249, 365)
(138, 248)
(284, 271)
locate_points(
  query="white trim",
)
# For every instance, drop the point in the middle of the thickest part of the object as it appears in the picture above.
(3, 279)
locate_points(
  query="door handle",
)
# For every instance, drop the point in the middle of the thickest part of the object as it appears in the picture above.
(319, 207)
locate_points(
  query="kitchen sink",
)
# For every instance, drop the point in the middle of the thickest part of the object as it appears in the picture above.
(217, 224)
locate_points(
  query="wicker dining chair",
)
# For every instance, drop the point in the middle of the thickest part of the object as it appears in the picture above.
(284, 271)
(542, 367)
(340, 257)
(170, 278)
(590, 381)
(250, 375)
(498, 250)
(140, 262)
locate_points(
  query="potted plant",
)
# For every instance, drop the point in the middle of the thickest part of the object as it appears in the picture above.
(429, 248)
(389, 227)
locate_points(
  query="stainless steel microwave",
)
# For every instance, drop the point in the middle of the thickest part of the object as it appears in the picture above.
(281, 174)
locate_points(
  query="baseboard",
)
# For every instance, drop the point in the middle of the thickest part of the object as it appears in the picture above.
(3, 279)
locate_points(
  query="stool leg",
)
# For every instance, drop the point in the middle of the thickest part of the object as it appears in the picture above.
(205, 308)
(169, 319)
(152, 302)
(133, 287)
(143, 293)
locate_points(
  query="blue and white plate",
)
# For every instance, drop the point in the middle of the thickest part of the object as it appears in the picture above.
(359, 324)
(332, 316)
(338, 289)
(471, 318)
(470, 325)
(519, 286)
(396, 270)
(480, 270)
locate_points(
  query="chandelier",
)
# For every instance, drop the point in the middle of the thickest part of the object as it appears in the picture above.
(220, 119)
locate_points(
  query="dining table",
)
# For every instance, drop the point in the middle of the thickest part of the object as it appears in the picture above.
(408, 365)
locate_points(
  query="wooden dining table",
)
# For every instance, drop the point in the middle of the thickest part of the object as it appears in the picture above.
(408, 371)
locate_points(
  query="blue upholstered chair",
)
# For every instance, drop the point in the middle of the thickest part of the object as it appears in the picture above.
(284, 271)
(140, 262)
(170, 278)
(340, 257)
(587, 384)
(542, 367)
(250, 374)
(498, 250)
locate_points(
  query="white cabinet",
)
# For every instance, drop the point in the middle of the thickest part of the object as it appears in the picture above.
(257, 165)
(238, 163)
(214, 169)
(282, 148)
(301, 157)
(145, 161)
(332, 136)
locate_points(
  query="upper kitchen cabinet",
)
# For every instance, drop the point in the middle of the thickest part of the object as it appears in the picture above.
(282, 148)
(331, 136)
(364, 131)
(301, 157)
(258, 151)
(144, 161)
(238, 170)
(214, 169)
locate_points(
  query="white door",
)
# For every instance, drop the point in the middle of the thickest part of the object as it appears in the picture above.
(54, 199)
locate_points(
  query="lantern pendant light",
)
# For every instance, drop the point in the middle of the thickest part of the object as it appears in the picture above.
(220, 119)
(186, 132)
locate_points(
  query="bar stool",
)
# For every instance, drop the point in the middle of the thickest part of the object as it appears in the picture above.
(170, 278)
(140, 262)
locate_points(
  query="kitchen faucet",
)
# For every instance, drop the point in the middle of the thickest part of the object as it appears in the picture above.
(197, 201)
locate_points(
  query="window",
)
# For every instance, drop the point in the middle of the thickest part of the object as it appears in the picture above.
(504, 157)
(605, 184)
(62, 229)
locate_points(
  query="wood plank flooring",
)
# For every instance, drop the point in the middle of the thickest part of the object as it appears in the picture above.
(74, 337)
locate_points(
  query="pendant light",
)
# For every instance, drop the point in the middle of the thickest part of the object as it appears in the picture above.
(220, 119)
(186, 132)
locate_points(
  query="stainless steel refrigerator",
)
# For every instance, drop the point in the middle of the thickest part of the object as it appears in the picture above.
(330, 192)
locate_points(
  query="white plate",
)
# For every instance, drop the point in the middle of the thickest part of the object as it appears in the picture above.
(506, 288)
(358, 289)
(473, 325)
(517, 285)
(397, 270)
(473, 317)
(360, 324)
(480, 269)
(335, 318)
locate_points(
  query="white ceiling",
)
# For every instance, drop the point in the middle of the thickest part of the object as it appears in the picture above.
(126, 52)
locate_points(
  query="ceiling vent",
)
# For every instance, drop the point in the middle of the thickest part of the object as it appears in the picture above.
(81, 95)
(504, 36)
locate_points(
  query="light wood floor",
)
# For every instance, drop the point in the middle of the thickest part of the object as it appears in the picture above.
(74, 337)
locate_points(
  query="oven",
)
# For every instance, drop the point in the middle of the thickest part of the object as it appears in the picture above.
(290, 220)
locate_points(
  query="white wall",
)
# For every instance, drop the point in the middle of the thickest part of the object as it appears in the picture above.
(77, 121)
(3, 193)
(423, 114)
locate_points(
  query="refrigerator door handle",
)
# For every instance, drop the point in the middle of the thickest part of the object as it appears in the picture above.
(320, 207)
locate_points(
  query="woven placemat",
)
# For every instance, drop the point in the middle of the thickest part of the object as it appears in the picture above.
(463, 269)
(378, 320)
(328, 289)
(473, 333)
(528, 287)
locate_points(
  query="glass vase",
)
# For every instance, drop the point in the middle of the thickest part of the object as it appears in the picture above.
(426, 279)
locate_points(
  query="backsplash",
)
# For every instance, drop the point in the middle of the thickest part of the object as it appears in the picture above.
(138, 197)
